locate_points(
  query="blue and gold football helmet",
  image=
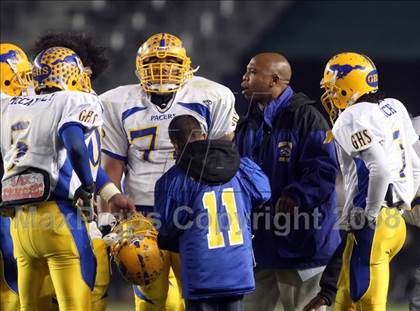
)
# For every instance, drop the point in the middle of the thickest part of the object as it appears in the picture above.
(61, 68)
(347, 77)
(134, 248)
(162, 64)
(15, 70)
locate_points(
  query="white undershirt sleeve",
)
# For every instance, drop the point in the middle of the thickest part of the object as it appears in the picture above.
(379, 178)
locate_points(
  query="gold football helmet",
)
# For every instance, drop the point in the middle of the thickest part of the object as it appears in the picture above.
(162, 64)
(347, 77)
(60, 67)
(135, 251)
(15, 70)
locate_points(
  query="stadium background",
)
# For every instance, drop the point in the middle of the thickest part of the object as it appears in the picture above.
(221, 37)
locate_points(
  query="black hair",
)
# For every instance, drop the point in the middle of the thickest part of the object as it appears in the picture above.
(376, 97)
(91, 54)
(182, 128)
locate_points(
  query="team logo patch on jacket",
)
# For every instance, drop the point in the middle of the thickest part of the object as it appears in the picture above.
(285, 149)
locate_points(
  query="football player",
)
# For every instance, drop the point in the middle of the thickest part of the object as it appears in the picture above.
(43, 145)
(205, 201)
(374, 141)
(15, 79)
(412, 217)
(94, 60)
(136, 140)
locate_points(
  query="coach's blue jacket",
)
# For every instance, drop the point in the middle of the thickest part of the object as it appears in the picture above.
(289, 145)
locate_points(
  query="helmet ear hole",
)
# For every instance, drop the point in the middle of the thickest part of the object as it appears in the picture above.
(343, 92)
(7, 82)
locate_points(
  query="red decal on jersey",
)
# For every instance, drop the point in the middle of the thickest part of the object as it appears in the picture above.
(20, 187)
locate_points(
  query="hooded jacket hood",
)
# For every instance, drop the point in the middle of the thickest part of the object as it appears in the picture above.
(212, 162)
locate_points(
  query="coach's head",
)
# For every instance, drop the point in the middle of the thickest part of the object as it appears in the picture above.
(267, 76)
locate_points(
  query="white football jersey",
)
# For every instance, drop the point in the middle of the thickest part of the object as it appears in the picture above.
(413, 216)
(416, 124)
(4, 98)
(361, 126)
(30, 128)
(136, 130)
(404, 138)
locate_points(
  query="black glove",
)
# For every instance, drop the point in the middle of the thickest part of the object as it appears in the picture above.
(358, 220)
(83, 199)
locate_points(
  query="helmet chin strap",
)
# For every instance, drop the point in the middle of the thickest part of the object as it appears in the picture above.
(353, 99)
(194, 70)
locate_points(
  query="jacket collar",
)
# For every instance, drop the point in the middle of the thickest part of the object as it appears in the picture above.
(277, 104)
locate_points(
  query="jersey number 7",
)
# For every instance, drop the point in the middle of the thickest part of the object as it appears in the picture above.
(151, 133)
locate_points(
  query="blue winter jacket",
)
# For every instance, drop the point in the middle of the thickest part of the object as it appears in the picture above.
(209, 186)
(290, 145)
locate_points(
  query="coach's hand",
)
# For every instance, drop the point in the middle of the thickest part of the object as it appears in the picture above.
(83, 199)
(285, 204)
(120, 203)
(315, 303)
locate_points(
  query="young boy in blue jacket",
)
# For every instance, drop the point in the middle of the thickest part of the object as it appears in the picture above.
(204, 202)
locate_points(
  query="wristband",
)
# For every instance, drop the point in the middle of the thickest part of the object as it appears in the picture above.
(108, 191)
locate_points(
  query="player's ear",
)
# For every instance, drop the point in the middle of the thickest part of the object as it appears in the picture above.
(176, 146)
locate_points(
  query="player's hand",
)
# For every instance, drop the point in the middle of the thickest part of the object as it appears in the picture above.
(83, 199)
(315, 304)
(120, 203)
(285, 205)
